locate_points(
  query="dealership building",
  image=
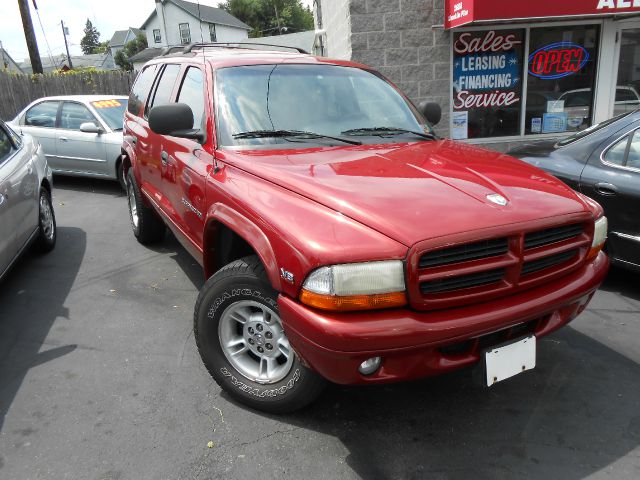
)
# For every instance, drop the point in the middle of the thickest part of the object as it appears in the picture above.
(503, 71)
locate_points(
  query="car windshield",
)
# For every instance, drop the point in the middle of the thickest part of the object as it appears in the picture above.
(320, 100)
(111, 111)
(589, 131)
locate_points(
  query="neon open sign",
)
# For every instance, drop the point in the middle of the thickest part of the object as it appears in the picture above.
(557, 60)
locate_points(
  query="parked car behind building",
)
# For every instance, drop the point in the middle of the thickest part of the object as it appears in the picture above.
(26, 210)
(80, 134)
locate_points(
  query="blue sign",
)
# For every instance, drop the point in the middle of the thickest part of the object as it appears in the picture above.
(491, 71)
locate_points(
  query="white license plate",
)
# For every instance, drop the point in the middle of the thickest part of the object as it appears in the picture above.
(509, 360)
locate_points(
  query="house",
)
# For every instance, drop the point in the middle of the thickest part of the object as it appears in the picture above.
(176, 22)
(8, 64)
(99, 61)
(121, 37)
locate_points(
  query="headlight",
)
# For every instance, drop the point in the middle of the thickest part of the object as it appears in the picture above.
(356, 286)
(599, 237)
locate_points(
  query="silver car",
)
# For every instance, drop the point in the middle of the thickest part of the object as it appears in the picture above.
(26, 211)
(80, 134)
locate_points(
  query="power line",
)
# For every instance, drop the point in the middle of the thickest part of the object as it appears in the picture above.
(44, 34)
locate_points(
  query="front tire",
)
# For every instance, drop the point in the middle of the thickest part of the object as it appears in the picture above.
(46, 223)
(242, 342)
(145, 223)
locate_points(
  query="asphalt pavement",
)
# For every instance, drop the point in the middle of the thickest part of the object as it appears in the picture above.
(100, 379)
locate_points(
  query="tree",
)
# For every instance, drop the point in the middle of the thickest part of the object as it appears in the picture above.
(102, 47)
(271, 17)
(122, 57)
(91, 40)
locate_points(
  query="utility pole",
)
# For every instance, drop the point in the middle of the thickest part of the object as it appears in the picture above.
(30, 37)
(64, 34)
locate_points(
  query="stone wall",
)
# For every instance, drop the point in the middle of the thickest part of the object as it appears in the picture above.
(398, 38)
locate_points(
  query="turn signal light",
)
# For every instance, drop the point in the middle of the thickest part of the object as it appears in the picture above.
(353, 302)
(599, 237)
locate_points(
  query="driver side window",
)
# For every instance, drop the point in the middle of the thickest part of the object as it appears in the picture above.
(74, 114)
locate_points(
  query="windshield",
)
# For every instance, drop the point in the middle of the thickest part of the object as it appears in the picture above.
(111, 111)
(589, 131)
(323, 99)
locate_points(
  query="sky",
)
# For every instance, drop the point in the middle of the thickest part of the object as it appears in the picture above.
(106, 15)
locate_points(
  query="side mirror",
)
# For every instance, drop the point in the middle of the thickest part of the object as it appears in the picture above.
(90, 127)
(174, 119)
(431, 111)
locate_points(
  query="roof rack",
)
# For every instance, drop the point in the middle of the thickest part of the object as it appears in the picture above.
(202, 46)
(169, 50)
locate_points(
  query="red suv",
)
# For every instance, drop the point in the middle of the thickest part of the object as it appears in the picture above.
(340, 238)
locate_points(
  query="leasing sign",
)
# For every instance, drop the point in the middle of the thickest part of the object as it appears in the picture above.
(461, 12)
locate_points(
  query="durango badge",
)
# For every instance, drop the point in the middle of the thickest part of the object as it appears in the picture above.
(497, 199)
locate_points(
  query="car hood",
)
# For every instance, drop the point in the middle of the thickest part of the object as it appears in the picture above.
(415, 191)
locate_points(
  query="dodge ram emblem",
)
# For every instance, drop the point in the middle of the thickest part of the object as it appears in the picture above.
(497, 199)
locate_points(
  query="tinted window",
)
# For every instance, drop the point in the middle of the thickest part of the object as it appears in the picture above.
(42, 115)
(633, 158)
(577, 99)
(141, 89)
(165, 86)
(6, 146)
(192, 93)
(615, 153)
(74, 114)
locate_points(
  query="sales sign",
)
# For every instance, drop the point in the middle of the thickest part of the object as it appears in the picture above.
(487, 73)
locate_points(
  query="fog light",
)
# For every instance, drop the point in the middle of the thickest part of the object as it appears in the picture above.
(370, 365)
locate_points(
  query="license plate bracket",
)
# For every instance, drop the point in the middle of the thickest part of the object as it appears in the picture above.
(509, 359)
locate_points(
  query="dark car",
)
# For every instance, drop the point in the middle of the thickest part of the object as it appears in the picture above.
(603, 162)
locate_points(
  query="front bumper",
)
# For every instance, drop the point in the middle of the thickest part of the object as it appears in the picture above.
(417, 344)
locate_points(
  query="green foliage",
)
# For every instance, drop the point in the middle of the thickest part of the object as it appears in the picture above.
(121, 58)
(91, 40)
(260, 15)
(102, 47)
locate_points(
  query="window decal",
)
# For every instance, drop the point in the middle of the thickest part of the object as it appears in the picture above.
(557, 60)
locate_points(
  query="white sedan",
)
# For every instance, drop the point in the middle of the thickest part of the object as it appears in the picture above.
(80, 134)
(26, 211)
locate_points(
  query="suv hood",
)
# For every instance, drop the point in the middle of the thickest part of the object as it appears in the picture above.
(415, 191)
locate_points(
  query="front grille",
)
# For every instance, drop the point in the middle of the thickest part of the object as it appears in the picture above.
(552, 235)
(462, 281)
(464, 253)
(546, 262)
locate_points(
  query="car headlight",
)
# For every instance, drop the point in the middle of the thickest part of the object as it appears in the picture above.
(599, 237)
(356, 286)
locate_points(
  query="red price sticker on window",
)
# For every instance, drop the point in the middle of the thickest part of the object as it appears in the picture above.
(106, 104)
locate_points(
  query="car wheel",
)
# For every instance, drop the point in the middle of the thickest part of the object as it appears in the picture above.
(122, 176)
(242, 342)
(147, 226)
(46, 223)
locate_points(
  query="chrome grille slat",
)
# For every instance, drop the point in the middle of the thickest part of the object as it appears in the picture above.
(551, 235)
(464, 253)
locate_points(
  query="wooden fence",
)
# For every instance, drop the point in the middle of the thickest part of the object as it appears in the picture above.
(17, 91)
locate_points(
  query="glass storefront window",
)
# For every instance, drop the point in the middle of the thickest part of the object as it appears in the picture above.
(487, 83)
(561, 77)
(628, 84)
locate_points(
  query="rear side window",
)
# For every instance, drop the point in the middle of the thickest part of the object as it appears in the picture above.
(615, 153)
(165, 86)
(6, 147)
(192, 93)
(140, 90)
(42, 115)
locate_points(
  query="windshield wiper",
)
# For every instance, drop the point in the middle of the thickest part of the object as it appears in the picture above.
(381, 131)
(291, 133)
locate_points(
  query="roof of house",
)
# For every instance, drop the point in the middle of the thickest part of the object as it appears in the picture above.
(205, 14)
(5, 58)
(302, 40)
(146, 55)
(119, 37)
(58, 61)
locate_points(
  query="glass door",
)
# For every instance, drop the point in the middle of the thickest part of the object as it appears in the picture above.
(627, 86)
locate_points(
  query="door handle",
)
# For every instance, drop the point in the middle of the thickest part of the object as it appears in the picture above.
(164, 157)
(3, 198)
(606, 189)
(63, 139)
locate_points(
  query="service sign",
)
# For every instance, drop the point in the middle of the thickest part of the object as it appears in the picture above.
(487, 81)
(557, 60)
